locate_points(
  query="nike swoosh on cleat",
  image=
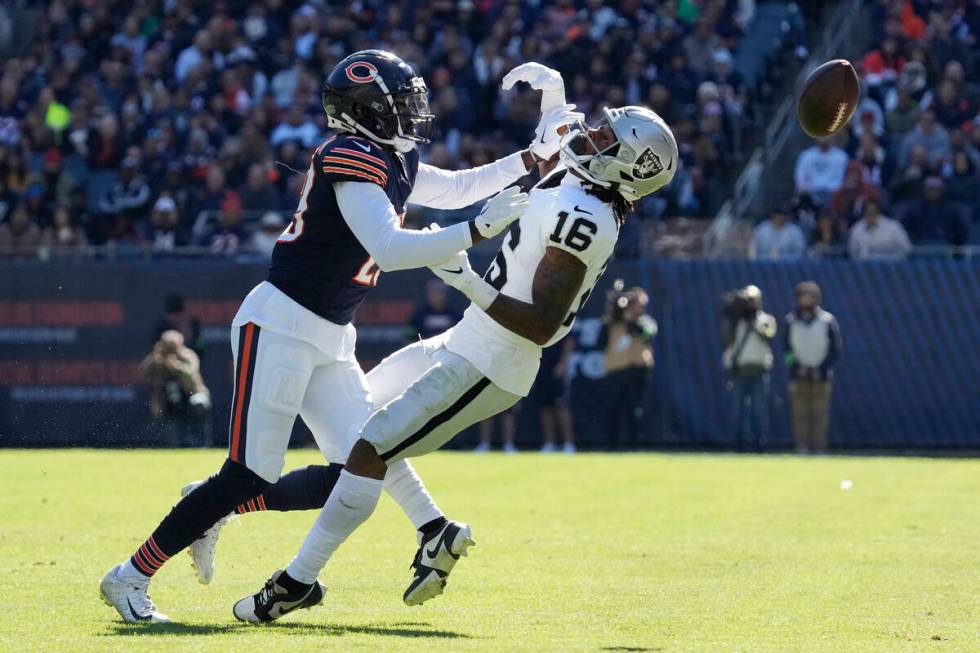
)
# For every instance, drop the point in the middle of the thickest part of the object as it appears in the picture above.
(136, 616)
(434, 551)
(458, 270)
(366, 149)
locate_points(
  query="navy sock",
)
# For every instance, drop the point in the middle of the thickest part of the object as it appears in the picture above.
(305, 488)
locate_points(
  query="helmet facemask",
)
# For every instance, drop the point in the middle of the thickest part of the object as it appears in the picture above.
(640, 161)
(580, 153)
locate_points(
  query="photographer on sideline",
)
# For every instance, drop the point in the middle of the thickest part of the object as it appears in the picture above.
(627, 333)
(179, 400)
(813, 344)
(747, 332)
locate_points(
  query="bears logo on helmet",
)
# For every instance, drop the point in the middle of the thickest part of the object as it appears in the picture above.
(361, 79)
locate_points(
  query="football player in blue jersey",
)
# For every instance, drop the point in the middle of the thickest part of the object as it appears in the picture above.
(292, 339)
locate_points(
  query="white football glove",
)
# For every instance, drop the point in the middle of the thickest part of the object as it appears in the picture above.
(541, 78)
(500, 210)
(457, 272)
(547, 138)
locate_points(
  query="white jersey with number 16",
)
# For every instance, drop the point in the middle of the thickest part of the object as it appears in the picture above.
(565, 217)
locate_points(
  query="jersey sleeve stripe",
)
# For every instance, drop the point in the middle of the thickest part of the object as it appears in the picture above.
(366, 157)
(356, 164)
(354, 173)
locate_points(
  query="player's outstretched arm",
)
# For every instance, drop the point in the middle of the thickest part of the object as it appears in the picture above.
(372, 218)
(453, 189)
(557, 282)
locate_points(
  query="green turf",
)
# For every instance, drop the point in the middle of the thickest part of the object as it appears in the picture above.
(592, 552)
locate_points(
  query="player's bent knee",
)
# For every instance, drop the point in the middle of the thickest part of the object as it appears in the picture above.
(237, 480)
(365, 461)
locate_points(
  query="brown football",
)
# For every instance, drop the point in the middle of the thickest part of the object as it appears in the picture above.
(828, 98)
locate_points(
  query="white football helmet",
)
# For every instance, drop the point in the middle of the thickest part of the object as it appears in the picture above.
(641, 161)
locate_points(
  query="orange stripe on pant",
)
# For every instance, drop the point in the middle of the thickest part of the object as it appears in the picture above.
(241, 389)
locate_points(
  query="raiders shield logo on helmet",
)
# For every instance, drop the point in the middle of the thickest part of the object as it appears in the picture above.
(647, 166)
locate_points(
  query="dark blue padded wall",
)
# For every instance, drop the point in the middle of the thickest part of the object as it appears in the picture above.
(909, 376)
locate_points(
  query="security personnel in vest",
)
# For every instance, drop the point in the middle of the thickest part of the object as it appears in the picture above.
(813, 345)
(747, 333)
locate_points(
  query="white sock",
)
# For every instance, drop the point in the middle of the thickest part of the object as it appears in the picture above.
(349, 505)
(128, 570)
(403, 484)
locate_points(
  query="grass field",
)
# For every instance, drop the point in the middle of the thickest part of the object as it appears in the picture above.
(592, 552)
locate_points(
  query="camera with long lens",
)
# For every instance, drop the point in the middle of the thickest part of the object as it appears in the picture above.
(740, 304)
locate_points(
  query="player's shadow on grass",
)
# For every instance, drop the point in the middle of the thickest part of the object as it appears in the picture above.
(630, 648)
(401, 629)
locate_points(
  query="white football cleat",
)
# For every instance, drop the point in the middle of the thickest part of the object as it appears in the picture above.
(483, 447)
(274, 600)
(436, 557)
(509, 447)
(568, 448)
(548, 447)
(128, 595)
(202, 550)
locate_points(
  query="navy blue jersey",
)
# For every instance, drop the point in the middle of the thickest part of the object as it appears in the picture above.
(318, 262)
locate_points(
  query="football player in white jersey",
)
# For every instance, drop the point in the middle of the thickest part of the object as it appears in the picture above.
(544, 273)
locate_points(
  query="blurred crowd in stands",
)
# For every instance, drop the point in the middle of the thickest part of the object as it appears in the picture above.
(907, 171)
(151, 125)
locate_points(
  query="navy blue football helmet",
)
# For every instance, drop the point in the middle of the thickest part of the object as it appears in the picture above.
(376, 94)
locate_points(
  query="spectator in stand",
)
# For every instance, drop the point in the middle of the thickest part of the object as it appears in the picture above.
(777, 237)
(882, 66)
(820, 170)
(129, 197)
(951, 108)
(104, 146)
(962, 182)
(908, 183)
(164, 233)
(935, 220)
(868, 118)
(848, 202)
(873, 157)
(57, 183)
(212, 195)
(913, 81)
(813, 345)
(699, 46)
(63, 236)
(19, 235)
(228, 236)
(928, 135)
(258, 194)
(904, 116)
(36, 206)
(828, 235)
(298, 127)
(875, 236)
(271, 226)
